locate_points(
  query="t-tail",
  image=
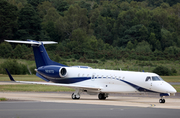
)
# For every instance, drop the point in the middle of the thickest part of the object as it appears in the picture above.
(40, 54)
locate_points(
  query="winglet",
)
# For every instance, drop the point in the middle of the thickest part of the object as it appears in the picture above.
(11, 78)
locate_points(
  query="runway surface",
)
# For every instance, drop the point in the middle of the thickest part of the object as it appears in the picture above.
(144, 100)
(60, 105)
(32, 109)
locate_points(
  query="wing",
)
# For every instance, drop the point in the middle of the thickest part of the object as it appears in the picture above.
(55, 84)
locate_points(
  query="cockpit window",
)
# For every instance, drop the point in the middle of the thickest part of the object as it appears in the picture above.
(148, 78)
(156, 78)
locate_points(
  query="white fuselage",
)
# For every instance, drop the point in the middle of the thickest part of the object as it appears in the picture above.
(113, 81)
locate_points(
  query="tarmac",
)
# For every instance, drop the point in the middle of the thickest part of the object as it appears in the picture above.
(135, 100)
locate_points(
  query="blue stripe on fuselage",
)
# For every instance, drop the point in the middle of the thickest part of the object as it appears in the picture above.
(70, 80)
(80, 79)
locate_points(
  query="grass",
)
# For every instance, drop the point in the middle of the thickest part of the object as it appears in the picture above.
(21, 78)
(177, 87)
(34, 88)
(171, 78)
(3, 99)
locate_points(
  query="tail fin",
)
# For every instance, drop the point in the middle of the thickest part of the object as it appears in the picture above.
(40, 54)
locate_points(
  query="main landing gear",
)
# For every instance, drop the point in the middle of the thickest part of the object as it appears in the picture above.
(102, 96)
(76, 94)
(161, 100)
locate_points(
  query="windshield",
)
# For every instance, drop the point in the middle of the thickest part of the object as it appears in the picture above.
(156, 78)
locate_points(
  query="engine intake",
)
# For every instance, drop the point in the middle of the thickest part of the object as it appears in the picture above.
(63, 72)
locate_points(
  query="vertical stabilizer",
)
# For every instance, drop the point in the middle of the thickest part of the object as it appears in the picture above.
(40, 54)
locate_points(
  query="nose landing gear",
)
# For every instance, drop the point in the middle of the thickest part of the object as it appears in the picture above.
(162, 95)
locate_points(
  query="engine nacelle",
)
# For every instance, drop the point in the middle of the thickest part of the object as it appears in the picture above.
(63, 72)
(52, 72)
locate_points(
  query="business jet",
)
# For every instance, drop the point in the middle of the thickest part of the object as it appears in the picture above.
(93, 81)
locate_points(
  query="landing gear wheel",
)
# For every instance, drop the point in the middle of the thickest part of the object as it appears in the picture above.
(102, 96)
(161, 100)
(75, 96)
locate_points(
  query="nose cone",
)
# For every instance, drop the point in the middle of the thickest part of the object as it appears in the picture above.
(169, 88)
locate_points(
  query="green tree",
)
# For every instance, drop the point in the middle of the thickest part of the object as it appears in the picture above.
(166, 40)
(125, 6)
(143, 47)
(85, 5)
(129, 45)
(60, 5)
(52, 15)
(160, 15)
(154, 27)
(8, 20)
(29, 24)
(14, 67)
(152, 40)
(18, 3)
(35, 3)
(43, 8)
(172, 50)
(5, 50)
(74, 18)
(17, 52)
(161, 70)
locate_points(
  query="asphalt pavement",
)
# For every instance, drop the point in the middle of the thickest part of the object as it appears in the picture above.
(33, 109)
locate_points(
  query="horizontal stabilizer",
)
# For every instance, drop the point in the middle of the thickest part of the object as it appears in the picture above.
(31, 42)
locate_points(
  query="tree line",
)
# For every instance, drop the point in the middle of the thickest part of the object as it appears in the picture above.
(96, 29)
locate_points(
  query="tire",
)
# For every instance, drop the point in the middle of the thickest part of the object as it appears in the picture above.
(101, 96)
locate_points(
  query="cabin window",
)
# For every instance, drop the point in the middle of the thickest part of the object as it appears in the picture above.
(109, 77)
(148, 78)
(93, 76)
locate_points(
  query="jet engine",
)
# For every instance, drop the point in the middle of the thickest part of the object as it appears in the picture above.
(63, 72)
